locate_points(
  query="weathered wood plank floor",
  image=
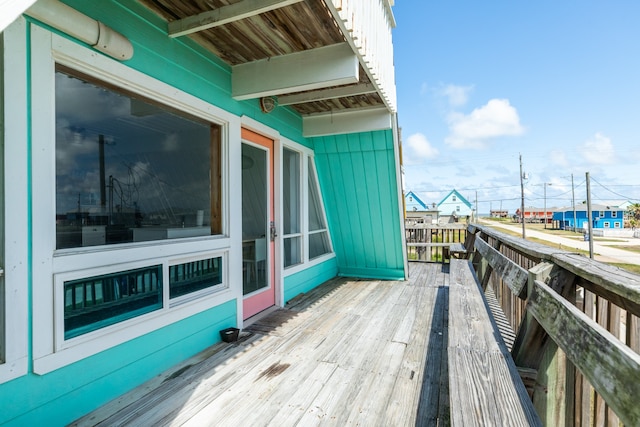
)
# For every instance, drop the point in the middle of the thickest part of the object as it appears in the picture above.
(351, 352)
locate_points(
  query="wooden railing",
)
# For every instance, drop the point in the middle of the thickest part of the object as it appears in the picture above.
(430, 242)
(577, 342)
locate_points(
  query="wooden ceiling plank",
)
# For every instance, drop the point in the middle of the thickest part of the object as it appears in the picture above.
(312, 69)
(224, 15)
(323, 94)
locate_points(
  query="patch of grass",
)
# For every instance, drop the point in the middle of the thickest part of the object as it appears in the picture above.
(635, 249)
(634, 268)
(544, 242)
(498, 219)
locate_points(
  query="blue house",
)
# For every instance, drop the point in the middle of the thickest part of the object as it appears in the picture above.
(602, 217)
(413, 203)
(455, 206)
(168, 174)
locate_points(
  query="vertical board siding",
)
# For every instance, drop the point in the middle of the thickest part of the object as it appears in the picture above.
(358, 182)
(64, 395)
(304, 281)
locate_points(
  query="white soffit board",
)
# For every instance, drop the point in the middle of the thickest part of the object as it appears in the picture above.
(346, 122)
(11, 9)
(323, 67)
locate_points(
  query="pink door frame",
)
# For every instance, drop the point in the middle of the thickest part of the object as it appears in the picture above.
(259, 301)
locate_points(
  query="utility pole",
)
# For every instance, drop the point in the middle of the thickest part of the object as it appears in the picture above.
(522, 199)
(475, 219)
(573, 196)
(589, 230)
(545, 203)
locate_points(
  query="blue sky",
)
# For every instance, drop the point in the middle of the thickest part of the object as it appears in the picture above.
(481, 82)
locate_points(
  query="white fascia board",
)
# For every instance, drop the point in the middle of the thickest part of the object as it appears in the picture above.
(347, 122)
(11, 9)
(319, 68)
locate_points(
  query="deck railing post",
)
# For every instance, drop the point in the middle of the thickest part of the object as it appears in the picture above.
(553, 392)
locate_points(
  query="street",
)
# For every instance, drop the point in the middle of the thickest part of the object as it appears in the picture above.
(602, 250)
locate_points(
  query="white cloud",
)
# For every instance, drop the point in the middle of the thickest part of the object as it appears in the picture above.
(456, 95)
(559, 158)
(421, 147)
(495, 119)
(598, 150)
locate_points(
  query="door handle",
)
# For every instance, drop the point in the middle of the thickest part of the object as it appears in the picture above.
(272, 231)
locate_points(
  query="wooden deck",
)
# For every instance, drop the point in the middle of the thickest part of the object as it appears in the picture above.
(351, 352)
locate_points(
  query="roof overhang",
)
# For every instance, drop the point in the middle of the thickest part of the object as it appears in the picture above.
(301, 71)
(347, 122)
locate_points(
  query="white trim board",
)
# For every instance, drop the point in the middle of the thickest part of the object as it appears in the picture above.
(16, 190)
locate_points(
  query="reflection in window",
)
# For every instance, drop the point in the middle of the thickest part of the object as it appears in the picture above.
(318, 236)
(130, 170)
(96, 302)
(194, 276)
(291, 207)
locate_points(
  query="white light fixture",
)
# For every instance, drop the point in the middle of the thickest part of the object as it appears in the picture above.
(80, 26)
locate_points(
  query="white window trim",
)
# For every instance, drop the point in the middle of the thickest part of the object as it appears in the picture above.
(614, 214)
(49, 352)
(307, 154)
(601, 214)
(606, 224)
(16, 266)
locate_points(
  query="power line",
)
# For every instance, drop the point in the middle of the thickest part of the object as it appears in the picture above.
(613, 192)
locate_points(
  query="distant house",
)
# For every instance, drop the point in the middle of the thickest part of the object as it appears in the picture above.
(418, 211)
(499, 213)
(537, 215)
(413, 203)
(454, 207)
(602, 217)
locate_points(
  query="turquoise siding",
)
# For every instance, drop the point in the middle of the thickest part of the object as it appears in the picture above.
(64, 395)
(358, 182)
(306, 280)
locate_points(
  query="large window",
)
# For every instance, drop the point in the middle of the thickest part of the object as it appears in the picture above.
(129, 169)
(130, 203)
